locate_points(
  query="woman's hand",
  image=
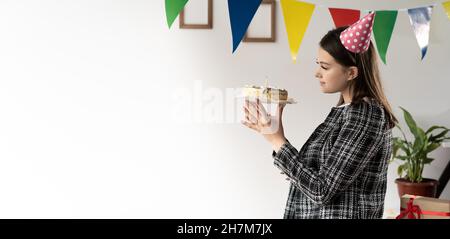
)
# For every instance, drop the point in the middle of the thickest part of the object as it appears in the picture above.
(271, 127)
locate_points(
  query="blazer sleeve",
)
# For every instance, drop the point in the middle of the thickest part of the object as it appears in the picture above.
(356, 144)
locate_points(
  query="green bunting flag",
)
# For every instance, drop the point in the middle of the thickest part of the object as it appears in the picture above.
(382, 30)
(173, 8)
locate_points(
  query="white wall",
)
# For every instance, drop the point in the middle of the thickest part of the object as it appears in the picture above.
(86, 114)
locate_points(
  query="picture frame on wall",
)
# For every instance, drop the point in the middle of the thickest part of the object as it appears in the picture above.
(209, 20)
(272, 13)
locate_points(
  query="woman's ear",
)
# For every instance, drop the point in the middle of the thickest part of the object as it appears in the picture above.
(352, 73)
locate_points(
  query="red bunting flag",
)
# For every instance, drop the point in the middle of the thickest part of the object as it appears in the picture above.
(344, 17)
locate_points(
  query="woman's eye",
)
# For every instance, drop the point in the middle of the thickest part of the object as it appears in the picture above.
(318, 63)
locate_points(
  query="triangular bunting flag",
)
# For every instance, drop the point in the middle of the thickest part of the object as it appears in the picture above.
(241, 14)
(446, 6)
(296, 19)
(420, 21)
(173, 8)
(344, 17)
(382, 31)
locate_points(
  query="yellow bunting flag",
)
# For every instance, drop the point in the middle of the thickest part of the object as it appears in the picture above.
(296, 19)
(446, 6)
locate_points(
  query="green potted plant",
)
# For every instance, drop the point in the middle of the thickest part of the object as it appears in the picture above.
(414, 156)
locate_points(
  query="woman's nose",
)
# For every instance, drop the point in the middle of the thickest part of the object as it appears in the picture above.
(318, 75)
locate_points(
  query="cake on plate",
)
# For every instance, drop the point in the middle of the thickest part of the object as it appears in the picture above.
(265, 93)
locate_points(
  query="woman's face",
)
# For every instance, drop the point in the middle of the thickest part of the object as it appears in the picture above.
(333, 76)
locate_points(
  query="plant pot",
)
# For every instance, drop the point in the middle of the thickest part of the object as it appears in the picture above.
(426, 188)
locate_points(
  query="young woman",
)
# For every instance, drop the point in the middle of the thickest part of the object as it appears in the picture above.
(340, 172)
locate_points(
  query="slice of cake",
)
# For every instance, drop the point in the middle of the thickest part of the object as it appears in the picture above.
(267, 93)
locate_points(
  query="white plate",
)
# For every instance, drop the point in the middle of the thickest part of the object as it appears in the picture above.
(265, 100)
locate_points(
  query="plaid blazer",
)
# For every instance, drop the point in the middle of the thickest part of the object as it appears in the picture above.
(341, 170)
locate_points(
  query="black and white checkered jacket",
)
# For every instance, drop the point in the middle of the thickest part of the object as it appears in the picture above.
(341, 170)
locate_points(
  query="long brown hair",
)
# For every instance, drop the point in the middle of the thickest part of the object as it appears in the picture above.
(368, 82)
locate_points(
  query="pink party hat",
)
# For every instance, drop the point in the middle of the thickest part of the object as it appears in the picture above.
(356, 38)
